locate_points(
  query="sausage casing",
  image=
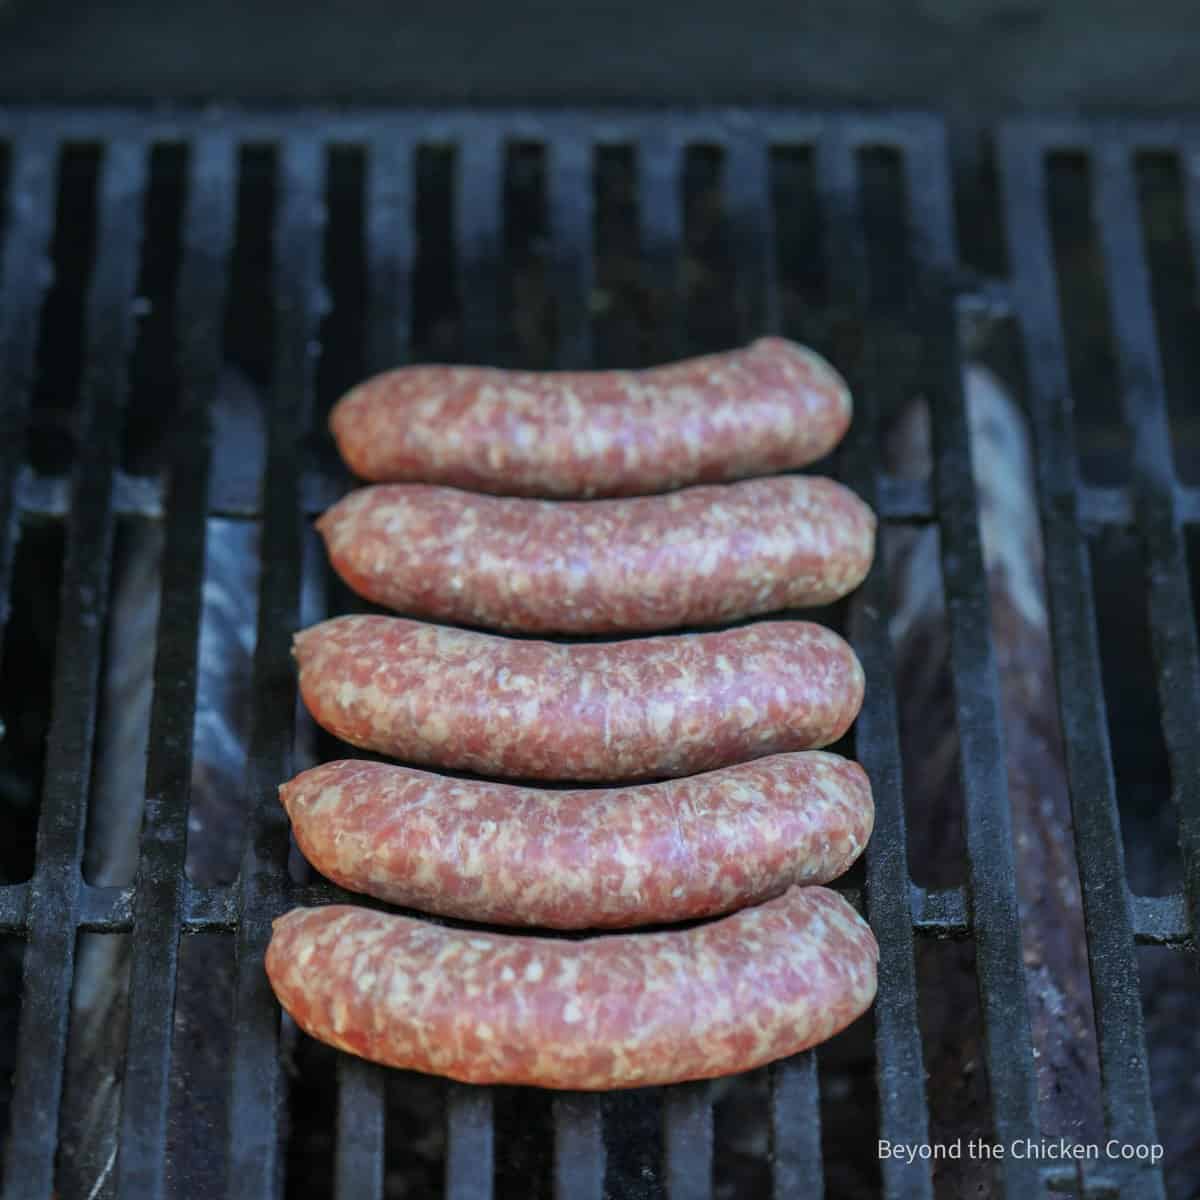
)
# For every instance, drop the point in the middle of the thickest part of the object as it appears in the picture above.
(611, 711)
(700, 556)
(772, 406)
(591, 858)
(622, 1010)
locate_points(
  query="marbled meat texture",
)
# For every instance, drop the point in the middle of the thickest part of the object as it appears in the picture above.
(695, 557)
(772, 406)
(623, 1010)
(609, 711)
(593, 858)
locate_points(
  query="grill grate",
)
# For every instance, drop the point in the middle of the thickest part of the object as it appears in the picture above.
(48, 909)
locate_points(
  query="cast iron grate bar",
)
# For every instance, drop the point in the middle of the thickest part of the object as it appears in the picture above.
(54, 890)
(571, 214)
(106, 909)
(940, 912)
(1121, 1040)
(362, 1086)
(686, 1108)
(211, 909)
(688, 1140)
(906, 501)
(1172, 615)
(579, 1157)
(900, 500)
(478, 242)
(256, 1086)
(14, 900)
(478, 248)
(361, 1128)
(1162, 921)
(794, 1130)
(158, 902)
(390, 220)
(750, 215)
(747, 181)
(987, 816)
(1104, 505)
(900, 1070)
(26, 275)
(1114, 505)
(660, 233)
(470, 1142)
(793, 1097)
(579, 1146)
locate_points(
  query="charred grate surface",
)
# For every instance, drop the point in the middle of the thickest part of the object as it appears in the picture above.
(48, 910)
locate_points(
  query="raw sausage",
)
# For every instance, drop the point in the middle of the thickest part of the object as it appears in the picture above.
(772, 406)
(624, 1010)
(592, 858)
(695, 557)
(660, 706)
(649, 707)
(581, 859)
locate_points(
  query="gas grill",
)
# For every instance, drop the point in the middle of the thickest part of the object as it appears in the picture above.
(889, 307)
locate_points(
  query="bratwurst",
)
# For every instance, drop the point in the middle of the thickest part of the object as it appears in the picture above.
(624, 1010)
(772, 406)
(611, 711)
(592, 858)
(695, 557)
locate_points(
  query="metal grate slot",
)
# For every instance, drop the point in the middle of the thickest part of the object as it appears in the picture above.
(710, 278)
(54, 425)
(1101, 434)
(1162, 204)
(527, 333)
(618, 323)
(12, 953)
(344, 334)
(152, 367)
(26, 685)
(1139, 752)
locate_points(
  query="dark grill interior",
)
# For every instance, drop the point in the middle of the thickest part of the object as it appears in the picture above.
(572, 239)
